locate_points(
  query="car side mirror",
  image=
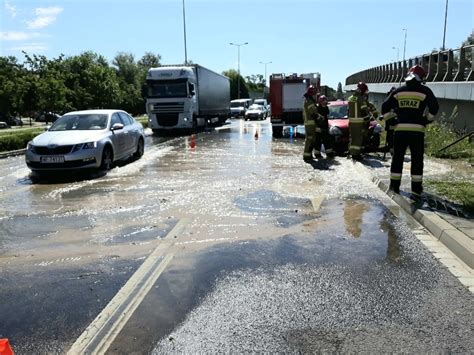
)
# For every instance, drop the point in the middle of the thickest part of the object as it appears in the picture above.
(117, 126)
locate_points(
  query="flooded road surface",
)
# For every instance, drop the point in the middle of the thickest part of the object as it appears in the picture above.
(271, 254)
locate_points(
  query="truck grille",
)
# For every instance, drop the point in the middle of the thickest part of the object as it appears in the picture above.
(168, 107)
(167, 119)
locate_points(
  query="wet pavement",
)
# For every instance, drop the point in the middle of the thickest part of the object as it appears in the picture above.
(275, 254)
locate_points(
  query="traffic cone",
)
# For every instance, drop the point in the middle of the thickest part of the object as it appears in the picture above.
(5, 348)
(192, 145)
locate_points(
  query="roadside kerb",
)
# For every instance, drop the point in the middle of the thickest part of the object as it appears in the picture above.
(12, 153)
(455, 240)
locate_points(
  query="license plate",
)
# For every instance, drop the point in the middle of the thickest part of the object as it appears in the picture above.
(53, 159)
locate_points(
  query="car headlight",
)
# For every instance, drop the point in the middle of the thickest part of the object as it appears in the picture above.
(88, 145)
(335, 131)
(30, 147)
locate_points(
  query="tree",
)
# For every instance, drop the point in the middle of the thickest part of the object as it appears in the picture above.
(233, 76)
(92, 82)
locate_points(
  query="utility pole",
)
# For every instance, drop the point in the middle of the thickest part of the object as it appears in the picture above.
(404, 43)
(445, 21)
(265, 77)
(238, 65)
(184, 26)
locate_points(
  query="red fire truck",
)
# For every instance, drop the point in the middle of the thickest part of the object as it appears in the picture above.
(286, 99)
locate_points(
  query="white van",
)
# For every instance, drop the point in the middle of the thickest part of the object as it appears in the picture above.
(239, 107)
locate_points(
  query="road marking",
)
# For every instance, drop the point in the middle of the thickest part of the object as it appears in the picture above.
(100, 334)
(317, 202)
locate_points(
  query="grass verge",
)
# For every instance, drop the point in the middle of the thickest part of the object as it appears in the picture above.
(18, 138)
(461, 192)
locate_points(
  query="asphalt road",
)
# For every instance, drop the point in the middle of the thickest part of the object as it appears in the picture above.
(223, 241)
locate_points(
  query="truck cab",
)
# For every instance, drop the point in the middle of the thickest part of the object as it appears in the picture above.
(171, 98)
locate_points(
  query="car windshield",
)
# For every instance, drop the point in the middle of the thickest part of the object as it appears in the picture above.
(78, 122)
(337, 111)
(165, 89)
(255, 107)
(236, 104)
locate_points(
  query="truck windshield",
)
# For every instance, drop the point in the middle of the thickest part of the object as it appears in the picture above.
(168, 88)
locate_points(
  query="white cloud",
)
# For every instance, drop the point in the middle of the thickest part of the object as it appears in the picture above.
(30, 47)
(18, 36)
(10, 8)
(44, 17)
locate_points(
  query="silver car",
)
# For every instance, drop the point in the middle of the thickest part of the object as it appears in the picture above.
(86, 139)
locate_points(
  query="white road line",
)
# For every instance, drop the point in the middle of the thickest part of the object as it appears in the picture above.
(316, 202)
(100, 334)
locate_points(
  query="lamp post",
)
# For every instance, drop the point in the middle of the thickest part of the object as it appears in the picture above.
(404, 43)
(184, 27)
(238, 65)
(398, 52)
(265, 77)
(445, 21)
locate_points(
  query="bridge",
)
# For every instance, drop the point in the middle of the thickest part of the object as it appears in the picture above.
(450, 74)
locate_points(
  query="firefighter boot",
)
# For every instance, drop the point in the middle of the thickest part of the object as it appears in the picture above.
(394, 186)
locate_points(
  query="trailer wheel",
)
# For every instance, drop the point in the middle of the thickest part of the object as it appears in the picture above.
(277, 131)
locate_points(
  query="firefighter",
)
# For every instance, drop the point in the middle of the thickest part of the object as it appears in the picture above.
(410, 102)
(310, 114)
(390, 123)
(322, 136)
(360, 112)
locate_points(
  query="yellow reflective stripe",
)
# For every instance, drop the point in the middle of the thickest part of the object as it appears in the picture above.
(409, 129)
(395, 176)
(354, 147)
(356, 120)
(317, 129)
(389, 115)
(417, 178)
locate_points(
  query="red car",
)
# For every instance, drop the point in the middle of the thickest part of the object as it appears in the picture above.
(339, 125)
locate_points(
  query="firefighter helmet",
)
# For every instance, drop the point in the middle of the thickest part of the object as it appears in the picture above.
(416, 72)
(311, 91)
(322, 99)
(362, 87)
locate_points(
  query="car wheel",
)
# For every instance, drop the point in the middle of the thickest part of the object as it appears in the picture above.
(107, 159)
(140, 149)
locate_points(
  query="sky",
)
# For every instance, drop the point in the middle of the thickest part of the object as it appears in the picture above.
(336, 38)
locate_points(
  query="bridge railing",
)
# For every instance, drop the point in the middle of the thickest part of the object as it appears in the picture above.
(452, 65)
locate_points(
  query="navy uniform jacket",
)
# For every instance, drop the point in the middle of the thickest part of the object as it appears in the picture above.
(409, 103)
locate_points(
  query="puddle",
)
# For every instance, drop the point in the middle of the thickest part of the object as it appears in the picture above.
(364, 244)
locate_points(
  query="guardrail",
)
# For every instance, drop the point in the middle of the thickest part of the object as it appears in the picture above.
(452, 65)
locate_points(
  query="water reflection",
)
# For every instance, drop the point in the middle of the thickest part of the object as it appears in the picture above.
(353, 216)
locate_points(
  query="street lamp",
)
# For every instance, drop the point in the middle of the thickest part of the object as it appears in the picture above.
(445, 21)
(184, 26)
(238, 65)
(265, 77)
(404, 43)
(398, 52)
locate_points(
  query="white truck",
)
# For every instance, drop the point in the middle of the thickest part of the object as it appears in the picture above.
(186, 97)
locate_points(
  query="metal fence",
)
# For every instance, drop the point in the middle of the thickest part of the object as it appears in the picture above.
(452, 65)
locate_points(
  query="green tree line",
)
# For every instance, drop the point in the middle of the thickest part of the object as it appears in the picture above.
(78, 82)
